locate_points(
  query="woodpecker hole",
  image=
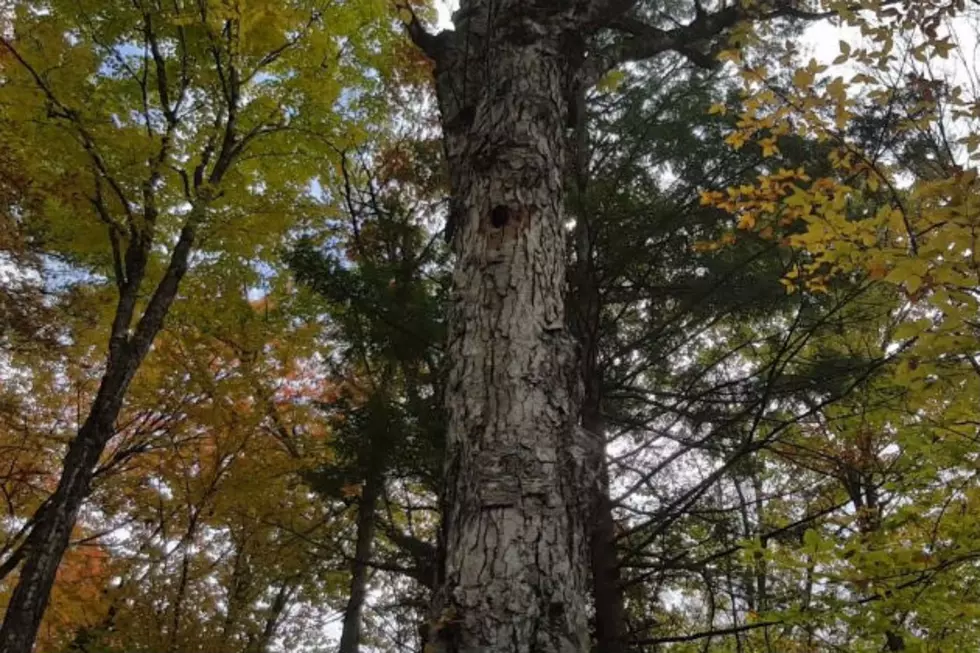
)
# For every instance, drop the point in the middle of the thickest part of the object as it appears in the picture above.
(499, 216)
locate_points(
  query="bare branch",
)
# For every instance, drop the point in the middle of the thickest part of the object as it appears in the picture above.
(646, 41)
(708, 633)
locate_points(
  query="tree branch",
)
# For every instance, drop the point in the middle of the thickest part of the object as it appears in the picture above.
(698, 40)
(704, 634)
(433, 45)
(72, 116)
(646, 41)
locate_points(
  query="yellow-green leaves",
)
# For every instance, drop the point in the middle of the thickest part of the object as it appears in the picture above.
(902, 216)
(803, 78)
(164, 138)
(611, 81)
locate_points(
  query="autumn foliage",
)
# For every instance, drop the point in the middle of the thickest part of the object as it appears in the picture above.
(774, 264)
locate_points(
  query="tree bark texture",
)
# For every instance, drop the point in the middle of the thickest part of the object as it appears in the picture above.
(516, 539)
(350, 637)
(523, 479)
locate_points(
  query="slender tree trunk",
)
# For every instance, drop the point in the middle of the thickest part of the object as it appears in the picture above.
(54, 521)
(262, 643)
(49, 538)
(607, 592)
(516, 539)
(351, 636)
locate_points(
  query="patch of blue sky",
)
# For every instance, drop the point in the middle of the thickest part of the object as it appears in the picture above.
(119, 57)
(265, 273)
(59, 275)
(317, 191)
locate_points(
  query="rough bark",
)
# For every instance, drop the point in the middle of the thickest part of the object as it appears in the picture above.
(519, 491)
(516, 536)
(49, 539)
(350, 637)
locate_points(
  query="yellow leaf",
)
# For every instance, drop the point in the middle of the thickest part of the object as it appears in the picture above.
(736, 140)
(837, 90)
(730, 55)
(803, 79)
(769, 147)
(913, 283)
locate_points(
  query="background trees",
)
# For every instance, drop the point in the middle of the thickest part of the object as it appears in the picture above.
(780, 389)
(146, 120)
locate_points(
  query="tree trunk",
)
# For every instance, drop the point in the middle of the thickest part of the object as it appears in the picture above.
(55, 519)
(351, 636)
(607, 592)
(262, 643)
(49, 538)
(516, 540)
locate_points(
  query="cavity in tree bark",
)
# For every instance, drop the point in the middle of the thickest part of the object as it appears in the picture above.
(516, 541)
(521, 478)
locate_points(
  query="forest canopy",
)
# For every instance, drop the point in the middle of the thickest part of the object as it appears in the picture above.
(505, 326)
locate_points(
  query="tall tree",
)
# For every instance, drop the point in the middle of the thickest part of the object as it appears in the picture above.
(146, 122)
(380, 277)
(517, 546)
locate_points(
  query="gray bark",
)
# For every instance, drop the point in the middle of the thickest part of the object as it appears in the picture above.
(516, 541)
(521, 477)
